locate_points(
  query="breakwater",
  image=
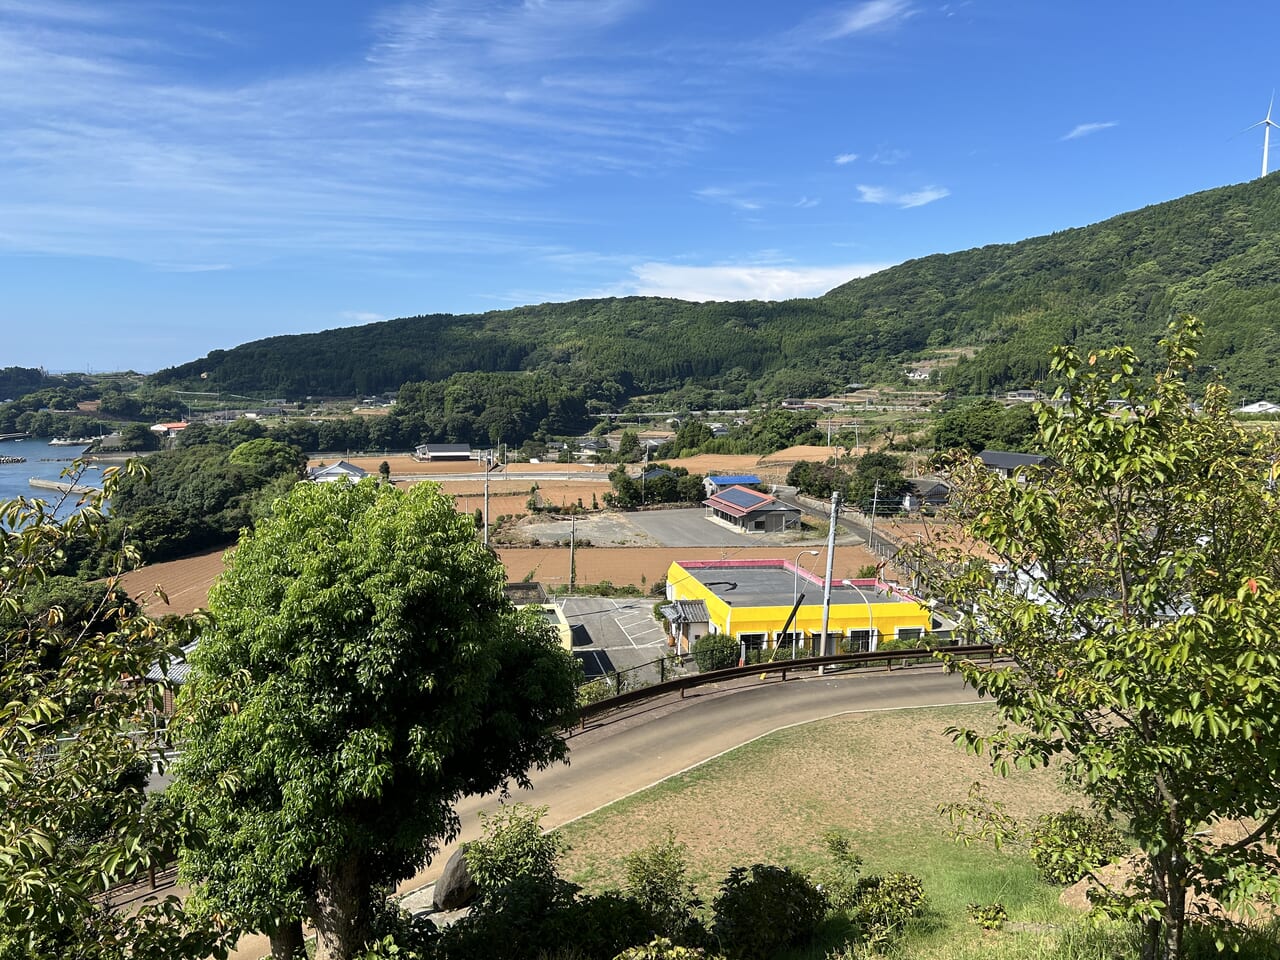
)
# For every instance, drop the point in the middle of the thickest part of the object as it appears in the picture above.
(61, 486)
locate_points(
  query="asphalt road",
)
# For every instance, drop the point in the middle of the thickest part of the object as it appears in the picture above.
(644, 745)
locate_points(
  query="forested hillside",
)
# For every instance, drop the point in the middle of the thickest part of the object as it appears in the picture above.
(1213, 253)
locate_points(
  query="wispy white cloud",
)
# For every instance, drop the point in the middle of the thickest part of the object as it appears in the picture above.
(741, 281)
(905, 200)
(1085, 129)
(842, 158)
(889, 156)
(832, 28)
(458, 112)
(731, 197)
(807, 203)
(869, 16)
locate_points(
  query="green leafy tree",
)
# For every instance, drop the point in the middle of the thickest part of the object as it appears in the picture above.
(363, 672)
(878, 484)
(1136, 602)
(817, 479)
(269, 458)
(986, 423)
(75, 820)
(626, 489)
(628, 447)
(138, 437)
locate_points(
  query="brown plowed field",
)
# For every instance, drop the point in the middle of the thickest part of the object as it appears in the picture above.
(187, 581)
(402, 464)
(645, 565)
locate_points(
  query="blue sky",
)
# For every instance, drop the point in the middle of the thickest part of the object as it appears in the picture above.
(182, 177)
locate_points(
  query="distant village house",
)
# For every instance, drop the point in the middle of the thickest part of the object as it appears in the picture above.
(443, 452)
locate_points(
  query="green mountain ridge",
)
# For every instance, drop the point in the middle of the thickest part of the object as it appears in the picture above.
(1214, 253)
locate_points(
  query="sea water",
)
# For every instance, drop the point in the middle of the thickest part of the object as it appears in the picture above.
(44, 462)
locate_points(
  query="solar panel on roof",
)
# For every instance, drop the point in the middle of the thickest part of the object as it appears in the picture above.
(741, 497)
(725, 481)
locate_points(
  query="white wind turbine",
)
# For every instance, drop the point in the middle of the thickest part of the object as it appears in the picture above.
(1266, 123)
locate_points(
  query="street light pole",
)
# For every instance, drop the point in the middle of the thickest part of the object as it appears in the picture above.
(795, 587)
(826, 583)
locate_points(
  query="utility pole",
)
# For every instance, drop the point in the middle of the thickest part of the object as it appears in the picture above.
(644, 470)
(573, 542)
(871, 527)
(488, 468)
(826, 583)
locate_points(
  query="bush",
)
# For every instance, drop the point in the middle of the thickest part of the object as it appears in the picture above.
(772, 655)
(596, 928)
(396, 934)
(661, 948)
(594, 691)
(891, 644)
(513, 851)
(763, 909)
(839, 880)
(988, 916)
(657, 879)
(884, 905)
(1066, 846)
(715, 651)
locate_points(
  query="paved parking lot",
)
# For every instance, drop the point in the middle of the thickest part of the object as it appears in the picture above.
(691, 528)
(685, 527)
(614, 633)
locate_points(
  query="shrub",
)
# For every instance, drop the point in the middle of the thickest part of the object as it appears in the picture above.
(988, 916)
(597, 928)
(890, 644)
(513, 851)
(516, 925)
(396, 934)
(595, 691)
(839, 880)
(762, 909)
(1066, 846)
(715, 651)
(660, 948)
(657, 879)
(884, 905)
(772, 655)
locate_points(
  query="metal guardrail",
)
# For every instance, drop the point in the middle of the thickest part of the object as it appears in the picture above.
(624, 678)
(782, 666)
(155, 882)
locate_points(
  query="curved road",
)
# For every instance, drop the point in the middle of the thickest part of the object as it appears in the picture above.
(649, 742)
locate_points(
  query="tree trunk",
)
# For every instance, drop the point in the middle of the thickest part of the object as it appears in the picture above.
(1152, 941)
(339, 915)
(1175, 915)
(286, 941)
(1162, 938)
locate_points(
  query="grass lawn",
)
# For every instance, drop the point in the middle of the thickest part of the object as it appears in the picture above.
(877, 777)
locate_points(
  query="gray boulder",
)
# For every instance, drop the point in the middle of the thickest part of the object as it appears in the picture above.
(455, 888)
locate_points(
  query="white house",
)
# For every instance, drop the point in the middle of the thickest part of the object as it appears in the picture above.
(336, 472)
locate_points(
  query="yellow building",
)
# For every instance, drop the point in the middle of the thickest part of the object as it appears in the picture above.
(752, 599)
